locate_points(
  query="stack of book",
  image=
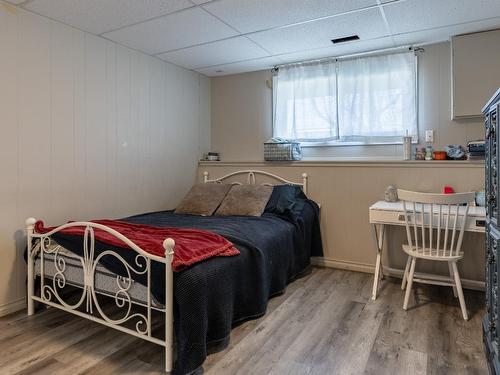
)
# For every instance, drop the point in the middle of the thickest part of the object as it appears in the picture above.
(475, 150)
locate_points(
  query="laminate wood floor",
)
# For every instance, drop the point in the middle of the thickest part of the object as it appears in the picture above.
(325, 323)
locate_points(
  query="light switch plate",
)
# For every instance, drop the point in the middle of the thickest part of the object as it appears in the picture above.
(429, 136)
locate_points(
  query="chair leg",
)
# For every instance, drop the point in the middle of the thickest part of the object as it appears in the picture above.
(405, 275)
(460, 291)
(452, 275)
(410, 282)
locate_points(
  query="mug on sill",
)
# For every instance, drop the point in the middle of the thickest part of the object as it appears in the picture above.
(439, 155)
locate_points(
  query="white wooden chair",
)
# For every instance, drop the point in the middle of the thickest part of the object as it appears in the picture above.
(426, 217)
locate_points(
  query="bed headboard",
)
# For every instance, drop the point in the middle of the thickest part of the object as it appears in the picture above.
(251, 178)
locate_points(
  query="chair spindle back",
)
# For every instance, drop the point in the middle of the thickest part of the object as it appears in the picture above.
(427, 215)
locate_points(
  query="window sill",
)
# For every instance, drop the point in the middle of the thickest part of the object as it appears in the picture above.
(354, 162)
(344, 144)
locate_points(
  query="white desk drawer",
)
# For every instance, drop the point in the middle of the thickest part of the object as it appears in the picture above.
(389, 217)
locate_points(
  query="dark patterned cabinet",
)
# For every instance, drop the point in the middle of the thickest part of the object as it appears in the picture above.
(491, 321)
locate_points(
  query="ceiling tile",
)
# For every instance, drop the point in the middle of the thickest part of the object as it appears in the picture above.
(178, 30)
(368, 24)
(339, 50)
(216, 53)
(253, 15)
(445, 33)
(98, 16)
(415, 15)
(241, 67)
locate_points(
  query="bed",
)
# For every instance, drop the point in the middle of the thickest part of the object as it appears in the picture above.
(200, 303)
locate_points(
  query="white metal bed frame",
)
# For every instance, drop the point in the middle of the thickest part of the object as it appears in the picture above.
(251, 179)
(42, 244)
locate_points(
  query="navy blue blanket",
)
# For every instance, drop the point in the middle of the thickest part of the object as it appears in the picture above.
(214, 295)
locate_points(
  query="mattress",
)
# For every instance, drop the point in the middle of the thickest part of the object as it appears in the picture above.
(105, 282)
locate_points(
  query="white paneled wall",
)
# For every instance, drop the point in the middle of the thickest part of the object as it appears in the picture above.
(89, 129)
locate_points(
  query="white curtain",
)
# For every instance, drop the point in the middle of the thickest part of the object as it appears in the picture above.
(368, 100)
(377, 98)
(305, 102)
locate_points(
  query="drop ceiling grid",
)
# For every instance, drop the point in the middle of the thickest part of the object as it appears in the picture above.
(215, 53)
(241, 66)
(369, 25)
(350, 48)
(98, 17)
(191, 27)
(415, 16)
(206, 35)
(267, 53)
(76, 13)
(441, 34)
(259, 15)
(302, 28)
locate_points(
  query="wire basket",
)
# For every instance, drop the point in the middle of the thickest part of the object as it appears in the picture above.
(282, 151)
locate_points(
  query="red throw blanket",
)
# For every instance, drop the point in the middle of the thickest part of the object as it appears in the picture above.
(191, 245)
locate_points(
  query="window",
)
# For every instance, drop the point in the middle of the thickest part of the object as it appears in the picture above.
(365, 100)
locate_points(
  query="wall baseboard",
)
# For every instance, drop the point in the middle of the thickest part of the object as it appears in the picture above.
(343, 264)
(369, 268)
(13, 306)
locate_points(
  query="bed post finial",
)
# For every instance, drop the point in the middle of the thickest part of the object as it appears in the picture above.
(30, 228)
(30, 223)
(168, 245)
(205, 177)
(304, 182)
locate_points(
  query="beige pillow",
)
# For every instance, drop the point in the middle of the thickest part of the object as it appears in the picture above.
(248, 200)
(203, 199)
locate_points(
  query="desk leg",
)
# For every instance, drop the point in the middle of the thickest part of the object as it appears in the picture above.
(378, 239)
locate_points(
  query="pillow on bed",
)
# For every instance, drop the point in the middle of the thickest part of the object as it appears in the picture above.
(203, 199)
(286, 201)
(245, 200)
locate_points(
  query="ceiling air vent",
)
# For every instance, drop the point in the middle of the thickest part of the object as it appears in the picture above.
(345, 39)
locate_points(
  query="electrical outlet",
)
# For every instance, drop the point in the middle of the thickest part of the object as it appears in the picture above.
(429, 136)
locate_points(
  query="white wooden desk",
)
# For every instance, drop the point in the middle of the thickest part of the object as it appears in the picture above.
(384, 213)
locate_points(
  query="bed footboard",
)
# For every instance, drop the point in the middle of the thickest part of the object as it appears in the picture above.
(88, 305)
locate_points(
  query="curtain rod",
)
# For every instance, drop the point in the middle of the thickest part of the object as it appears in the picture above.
(385, 51)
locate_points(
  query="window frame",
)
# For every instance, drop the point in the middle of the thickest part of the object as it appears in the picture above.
(337, 142)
